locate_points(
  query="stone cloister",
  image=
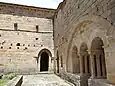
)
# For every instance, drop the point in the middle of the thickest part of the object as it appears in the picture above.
(92, 64)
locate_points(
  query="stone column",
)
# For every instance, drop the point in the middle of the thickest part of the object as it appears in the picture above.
(103, 65)
(98, 65)
(81, 65)
(86, 64)
(92, 66)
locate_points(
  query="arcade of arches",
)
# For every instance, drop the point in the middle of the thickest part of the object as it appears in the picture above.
(90, 63)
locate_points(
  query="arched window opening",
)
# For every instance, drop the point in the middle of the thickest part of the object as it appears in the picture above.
(75, 61)
(97, 51)
(85, 59)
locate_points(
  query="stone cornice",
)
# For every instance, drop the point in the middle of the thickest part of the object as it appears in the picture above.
(37, 11)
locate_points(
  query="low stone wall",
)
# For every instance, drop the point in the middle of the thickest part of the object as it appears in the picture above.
(77, 80)
(99, 82)
(17, 81)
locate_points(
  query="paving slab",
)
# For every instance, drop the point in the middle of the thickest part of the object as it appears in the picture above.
(44, 80)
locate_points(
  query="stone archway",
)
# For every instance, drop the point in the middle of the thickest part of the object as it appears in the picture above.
(98, 58)
(84, 59)
(75, 60)
(73, 63)
(44, 62)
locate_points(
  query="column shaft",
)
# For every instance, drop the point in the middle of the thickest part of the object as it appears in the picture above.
(103, 65)
(92, 66)
(86, 64)
(98, 65)
(81, 65)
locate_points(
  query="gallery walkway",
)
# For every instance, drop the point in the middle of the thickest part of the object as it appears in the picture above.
(44, 80)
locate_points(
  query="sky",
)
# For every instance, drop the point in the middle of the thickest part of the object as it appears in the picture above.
(38, 3)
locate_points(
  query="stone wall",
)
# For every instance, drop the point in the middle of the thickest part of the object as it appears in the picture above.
(19, 48)
(80, 21)
(23, 10)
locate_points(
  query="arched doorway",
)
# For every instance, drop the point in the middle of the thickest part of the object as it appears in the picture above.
(98, 58)
(44, 62)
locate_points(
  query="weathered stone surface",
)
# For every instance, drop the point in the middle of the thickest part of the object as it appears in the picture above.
(28, 11)
(83, 33)
(100, 82)
(72, 28)
(19, 48)
(44, 80)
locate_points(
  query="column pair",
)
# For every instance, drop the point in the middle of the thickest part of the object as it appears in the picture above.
(84, 64)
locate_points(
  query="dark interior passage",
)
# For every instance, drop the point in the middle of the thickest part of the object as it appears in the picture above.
(44, 62)
(57, 62)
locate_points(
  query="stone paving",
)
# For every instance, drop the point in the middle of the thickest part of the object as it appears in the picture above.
(44, 80)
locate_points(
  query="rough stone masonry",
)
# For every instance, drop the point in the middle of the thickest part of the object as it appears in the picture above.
(24, 32)
(84, 40)
(76, 40)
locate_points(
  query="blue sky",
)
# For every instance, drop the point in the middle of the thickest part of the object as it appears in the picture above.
(37, 3)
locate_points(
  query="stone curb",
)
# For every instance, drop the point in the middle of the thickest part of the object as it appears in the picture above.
(17, 81)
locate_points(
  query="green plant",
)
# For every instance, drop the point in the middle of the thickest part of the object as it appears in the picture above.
(9, 76)
(3, 82)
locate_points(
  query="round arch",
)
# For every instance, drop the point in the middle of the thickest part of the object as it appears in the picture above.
(89, 20)
(84, 59)
(45, 60)
(45, 50)
(75, 60)
(98, 58)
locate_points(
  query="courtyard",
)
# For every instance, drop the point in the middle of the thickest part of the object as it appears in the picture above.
(44, 80)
